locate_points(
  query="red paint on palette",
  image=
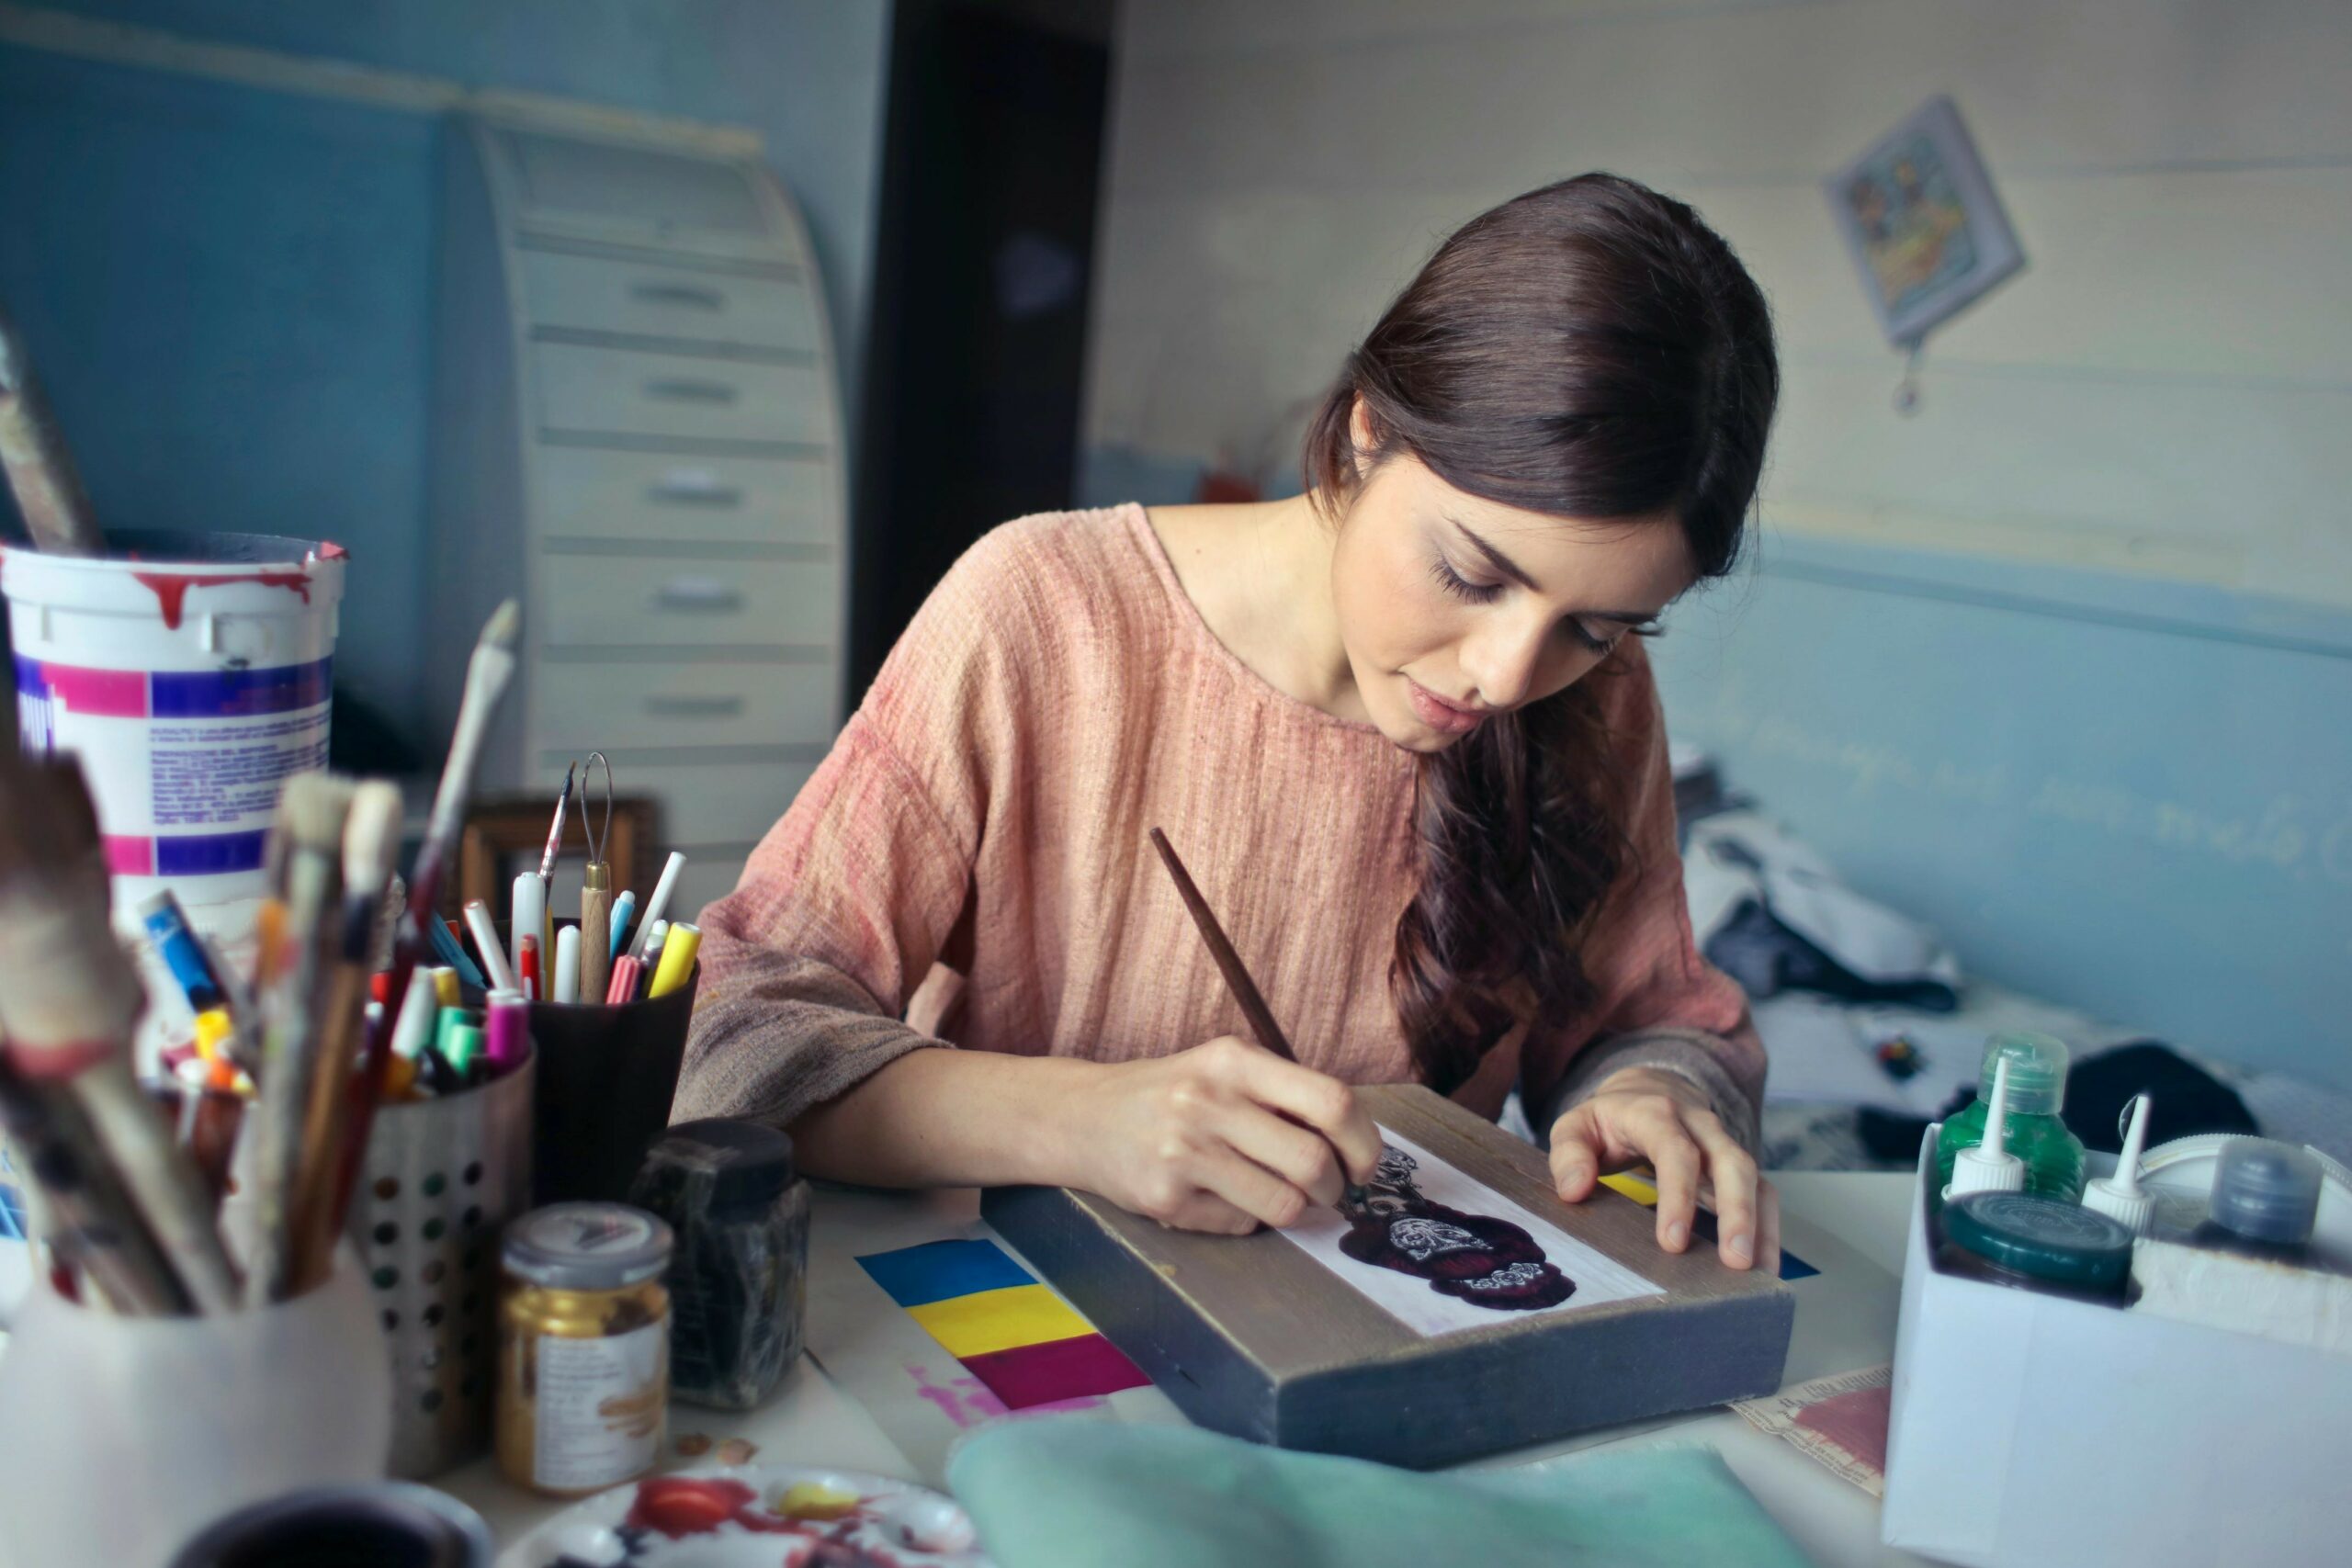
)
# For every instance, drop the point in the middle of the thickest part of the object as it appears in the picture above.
(170, 588)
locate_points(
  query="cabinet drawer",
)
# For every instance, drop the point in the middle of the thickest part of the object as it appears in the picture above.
(666, 301)
(627, 393)
(702, 803)
(626, 601)
(594, 493)
(616, 707)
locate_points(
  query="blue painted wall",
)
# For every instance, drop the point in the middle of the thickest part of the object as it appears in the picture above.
(2129, 796)
(229, 291)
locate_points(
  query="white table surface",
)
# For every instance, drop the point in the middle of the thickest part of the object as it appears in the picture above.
(810, 1421)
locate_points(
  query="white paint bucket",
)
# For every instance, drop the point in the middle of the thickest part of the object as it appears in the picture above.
(189, 673)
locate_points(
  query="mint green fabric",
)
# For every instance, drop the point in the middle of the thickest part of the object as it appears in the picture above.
(1070, 1492)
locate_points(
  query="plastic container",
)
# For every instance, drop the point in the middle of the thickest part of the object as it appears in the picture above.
(2029, 1242)
(190, 674)
(584, 1346)
(2265, 1199)
(2035, 1133)
(121, 1437)
(738, 1281)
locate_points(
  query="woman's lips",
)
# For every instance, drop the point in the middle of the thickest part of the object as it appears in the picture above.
(1441, 715)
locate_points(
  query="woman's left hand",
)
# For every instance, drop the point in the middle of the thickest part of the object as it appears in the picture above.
(1642, 1114)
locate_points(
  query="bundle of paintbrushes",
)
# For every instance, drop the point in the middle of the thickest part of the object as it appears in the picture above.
(122, 1206)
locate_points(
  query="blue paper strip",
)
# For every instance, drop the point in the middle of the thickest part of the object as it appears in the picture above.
(941, 1270)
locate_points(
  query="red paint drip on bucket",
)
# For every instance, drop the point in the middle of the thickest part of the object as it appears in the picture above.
(170, 588)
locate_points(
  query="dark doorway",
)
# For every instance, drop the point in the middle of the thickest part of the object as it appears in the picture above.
(976, 348)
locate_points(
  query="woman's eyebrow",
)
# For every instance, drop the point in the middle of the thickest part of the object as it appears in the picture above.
(1517, 575)
(1497, 559)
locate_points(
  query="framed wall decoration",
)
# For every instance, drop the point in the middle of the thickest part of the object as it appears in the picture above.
(1923, 223)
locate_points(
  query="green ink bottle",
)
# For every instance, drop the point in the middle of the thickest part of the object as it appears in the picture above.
(2032, 1130)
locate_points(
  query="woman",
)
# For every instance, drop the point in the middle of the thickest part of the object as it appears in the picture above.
(1401, 728)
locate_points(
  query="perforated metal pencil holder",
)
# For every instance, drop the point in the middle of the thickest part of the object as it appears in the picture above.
(442, 1178)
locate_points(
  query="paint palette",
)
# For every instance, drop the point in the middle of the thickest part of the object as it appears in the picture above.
(764, 1515)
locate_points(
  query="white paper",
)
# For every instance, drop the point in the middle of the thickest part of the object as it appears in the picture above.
(1410, 1299)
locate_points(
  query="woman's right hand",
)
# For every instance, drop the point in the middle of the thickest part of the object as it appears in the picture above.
(1223, 1137)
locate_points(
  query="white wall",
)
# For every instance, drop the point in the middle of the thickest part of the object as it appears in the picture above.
(2167, 389)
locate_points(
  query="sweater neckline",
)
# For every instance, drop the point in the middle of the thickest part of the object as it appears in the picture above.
(1196, 626)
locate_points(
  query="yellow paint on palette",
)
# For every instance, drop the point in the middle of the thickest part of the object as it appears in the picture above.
(1632, 1187)
(988, 1321)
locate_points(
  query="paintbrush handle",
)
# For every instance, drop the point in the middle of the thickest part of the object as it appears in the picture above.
(40, 469)
(1229, 962)
(89, 1221)
(596, 933)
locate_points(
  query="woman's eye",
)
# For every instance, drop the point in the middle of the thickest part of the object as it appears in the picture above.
(1583, 634)
(1461, 587)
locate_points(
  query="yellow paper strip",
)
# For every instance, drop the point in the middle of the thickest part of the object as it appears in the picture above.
(989, 1321)
(1632, 1187)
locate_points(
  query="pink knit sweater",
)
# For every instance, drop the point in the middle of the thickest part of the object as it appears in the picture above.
(1056, 697)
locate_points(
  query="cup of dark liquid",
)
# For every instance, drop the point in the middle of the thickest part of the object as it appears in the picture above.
(384, 1524)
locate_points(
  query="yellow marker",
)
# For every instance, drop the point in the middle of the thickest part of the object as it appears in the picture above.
(988, 1321)
(677, 959)
(444, 988)
(1632, 1187)
(212, 1026)
(400, 1078)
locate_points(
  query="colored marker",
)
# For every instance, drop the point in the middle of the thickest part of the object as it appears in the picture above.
(659, 905)
(176, 942)
(500, 974)
(678, 949)
(566, 965)
(526, 967)
(623, 907)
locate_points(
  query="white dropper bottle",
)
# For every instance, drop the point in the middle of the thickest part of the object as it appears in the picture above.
(2120, 1197)
(1989, 1166)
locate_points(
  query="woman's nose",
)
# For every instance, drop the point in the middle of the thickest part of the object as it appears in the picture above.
(1505, 664)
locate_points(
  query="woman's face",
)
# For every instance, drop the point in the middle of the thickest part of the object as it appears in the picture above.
(1453, 608)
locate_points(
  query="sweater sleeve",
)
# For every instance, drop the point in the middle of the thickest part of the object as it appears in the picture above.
(844, 906)
(1660, 1004)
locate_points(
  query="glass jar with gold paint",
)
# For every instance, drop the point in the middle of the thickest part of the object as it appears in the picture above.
(583, 1346)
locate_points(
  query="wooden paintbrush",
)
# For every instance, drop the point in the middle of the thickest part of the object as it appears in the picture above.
(1236, 978)
(40, 467)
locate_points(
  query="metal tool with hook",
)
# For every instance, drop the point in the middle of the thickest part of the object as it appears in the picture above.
(595, 888)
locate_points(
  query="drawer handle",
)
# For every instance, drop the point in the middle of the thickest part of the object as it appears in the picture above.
(694, 707)
(684, 294)
(699, 595)
(682, 390)
(695, 487)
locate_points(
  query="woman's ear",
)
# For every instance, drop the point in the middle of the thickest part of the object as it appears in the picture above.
(1362, 442)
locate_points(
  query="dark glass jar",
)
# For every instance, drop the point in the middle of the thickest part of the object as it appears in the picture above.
(739, 1280)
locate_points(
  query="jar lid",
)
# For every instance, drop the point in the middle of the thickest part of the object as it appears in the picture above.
(2037, 1072)
(2266, 1191)
(747, 1163)
(587, 1246)
(2043, 1238)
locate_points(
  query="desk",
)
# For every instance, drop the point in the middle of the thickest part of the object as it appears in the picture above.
(1833, 1219)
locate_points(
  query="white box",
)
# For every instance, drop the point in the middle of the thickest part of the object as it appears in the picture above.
(2033, 1429)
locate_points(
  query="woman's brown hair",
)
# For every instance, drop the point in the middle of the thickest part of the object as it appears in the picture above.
(1589, 350)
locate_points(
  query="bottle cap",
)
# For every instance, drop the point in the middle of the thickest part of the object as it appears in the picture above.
(2120, 1196)
(1989, 1166)
(2266, 1191)
(739, 1164)
(2043, 1238)
(2037, 1072)
(586, 1247)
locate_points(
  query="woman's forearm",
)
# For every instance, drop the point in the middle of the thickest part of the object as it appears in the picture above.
(946, 1118)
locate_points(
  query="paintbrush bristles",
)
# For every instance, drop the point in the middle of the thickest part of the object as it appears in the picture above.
(371, 836)
(314, 808)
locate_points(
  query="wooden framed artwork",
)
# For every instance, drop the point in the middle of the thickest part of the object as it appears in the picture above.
(1461, 1310)
(1925, 227)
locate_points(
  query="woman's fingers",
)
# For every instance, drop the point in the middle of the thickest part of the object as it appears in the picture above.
(1732, 1173)
(1768, 1227)
(1314, 1099)
(1675, 1157)
(1299, 1155)
(1575, 1157)
(1247, 1185)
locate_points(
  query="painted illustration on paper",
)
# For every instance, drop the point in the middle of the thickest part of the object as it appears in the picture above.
(1477, 1258)
(1926, 229)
